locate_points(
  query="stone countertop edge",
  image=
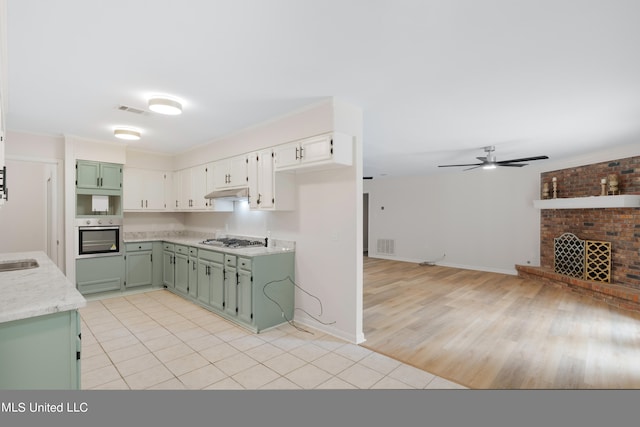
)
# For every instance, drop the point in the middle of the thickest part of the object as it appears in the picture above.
(195, 242)
(35, 291)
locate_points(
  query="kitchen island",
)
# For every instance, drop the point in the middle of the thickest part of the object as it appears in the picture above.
(39, 326)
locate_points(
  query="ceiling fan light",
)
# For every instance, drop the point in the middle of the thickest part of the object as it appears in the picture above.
(127, 134)
(489, 166)
(164, 105)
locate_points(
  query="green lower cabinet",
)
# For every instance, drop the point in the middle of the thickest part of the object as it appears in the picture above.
(193, 273)
(181, 269)
(244, 296)
(168, 266)
(254, 292)
(100, 274)
(41, 353)
(139, 265)
(257, 291)
(211, 279)
(230, 290)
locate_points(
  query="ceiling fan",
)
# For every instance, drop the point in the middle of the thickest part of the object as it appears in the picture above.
(489, 161)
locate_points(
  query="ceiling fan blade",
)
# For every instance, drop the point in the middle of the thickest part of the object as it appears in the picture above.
(517, 165)
(524, 159)
(482, 159)
(468, 164)
(475, 167)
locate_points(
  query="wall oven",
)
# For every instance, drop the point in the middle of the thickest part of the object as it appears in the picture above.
(98, 237)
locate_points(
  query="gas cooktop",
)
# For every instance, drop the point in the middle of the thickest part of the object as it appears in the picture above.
(228, 242)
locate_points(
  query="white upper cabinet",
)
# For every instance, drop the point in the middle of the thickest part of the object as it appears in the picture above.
(268, 190)
(230, 173)
(191, 187)
(322, 151)
(144, 189)
(199, 187)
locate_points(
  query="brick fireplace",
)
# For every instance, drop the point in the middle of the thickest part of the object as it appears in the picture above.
(620, 226)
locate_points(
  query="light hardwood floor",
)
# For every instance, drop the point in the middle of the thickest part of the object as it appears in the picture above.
(496, 331)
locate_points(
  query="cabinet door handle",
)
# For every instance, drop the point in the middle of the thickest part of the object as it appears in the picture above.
(146, 203)
(301, 152)
(142, 203)
(259, 196)
(297, 158)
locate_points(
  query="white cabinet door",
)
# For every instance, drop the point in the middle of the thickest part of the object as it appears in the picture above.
(154, 189)
(287, 155)
(316, 149)
(221, 174)
(238, 171)
(315, 153)
(143, 189)
(252, 179)
(176, 180)
(230, 173)
(132, 189)
(198, 176)
(265, 179)
(260, 179)
(269, 190)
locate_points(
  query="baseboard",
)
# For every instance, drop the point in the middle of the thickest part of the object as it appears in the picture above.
(510, 271)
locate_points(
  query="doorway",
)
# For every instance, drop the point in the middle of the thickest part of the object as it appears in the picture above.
(29, 220)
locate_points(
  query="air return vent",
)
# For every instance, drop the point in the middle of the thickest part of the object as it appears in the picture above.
(131, 109)
(386, 246)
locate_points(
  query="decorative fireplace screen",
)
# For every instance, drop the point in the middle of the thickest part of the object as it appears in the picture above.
(597, 261)
(589, 260)
(568, 255)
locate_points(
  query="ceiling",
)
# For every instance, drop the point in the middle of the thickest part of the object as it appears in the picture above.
(436, 80)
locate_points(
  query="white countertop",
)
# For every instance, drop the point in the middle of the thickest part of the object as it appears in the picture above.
(196, 242)
(35, 291)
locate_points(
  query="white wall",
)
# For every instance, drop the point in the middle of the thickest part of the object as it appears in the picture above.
(33, 218)
(23, 219)
(476, 219)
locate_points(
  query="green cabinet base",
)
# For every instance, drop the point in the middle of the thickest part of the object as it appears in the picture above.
(100, 274)
(41, 353)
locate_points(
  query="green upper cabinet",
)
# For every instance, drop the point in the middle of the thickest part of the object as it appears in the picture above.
(98, 177)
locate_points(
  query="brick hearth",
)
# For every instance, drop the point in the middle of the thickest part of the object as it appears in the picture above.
(615, 295)
(620, 226)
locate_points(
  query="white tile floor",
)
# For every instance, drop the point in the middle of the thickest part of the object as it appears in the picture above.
(158, 340)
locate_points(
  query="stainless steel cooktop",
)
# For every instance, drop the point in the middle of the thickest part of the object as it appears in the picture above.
(228, 242)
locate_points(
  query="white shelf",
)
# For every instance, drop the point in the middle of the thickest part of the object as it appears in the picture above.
(622, 201)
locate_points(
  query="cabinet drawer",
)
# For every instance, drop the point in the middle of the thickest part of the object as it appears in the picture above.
(180, 249)
(142, 246)
(244, 263)
(211, 256)
(193, 252)
(230, 260)
(168, 247)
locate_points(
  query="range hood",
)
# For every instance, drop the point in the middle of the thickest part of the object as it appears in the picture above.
(231, 194)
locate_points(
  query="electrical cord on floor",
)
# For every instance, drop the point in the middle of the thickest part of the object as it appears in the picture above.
(290, 321)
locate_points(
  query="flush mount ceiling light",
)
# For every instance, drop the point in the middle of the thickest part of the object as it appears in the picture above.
(164, 105)
(128, 134)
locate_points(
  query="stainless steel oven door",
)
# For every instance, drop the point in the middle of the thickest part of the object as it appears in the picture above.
(95, 241)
